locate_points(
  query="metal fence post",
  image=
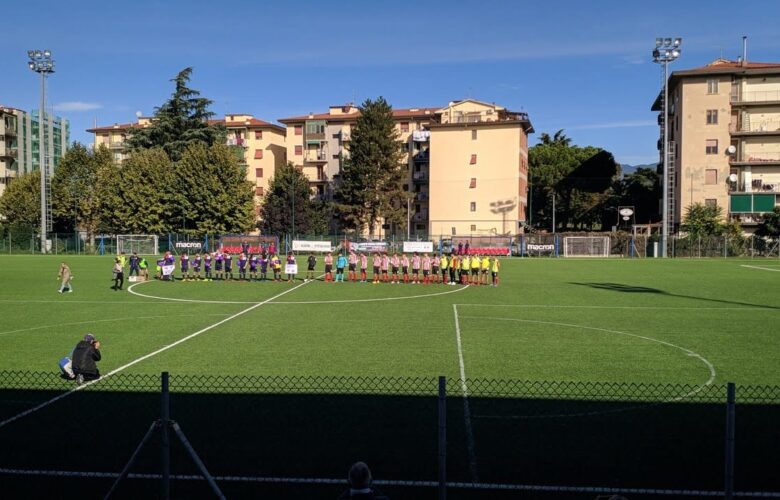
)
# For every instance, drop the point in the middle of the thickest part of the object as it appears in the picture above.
(165, 416)
(730, 429)
(442, 438)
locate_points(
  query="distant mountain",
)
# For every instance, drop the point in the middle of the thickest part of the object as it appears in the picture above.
(630, 169)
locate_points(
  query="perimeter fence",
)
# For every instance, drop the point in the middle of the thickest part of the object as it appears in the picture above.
(477, 438)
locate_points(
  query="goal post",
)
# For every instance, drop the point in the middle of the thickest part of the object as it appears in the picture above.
(586, 246)
(142, 244)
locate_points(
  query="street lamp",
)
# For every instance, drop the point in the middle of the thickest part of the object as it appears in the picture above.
(42, 63)
(666, 50)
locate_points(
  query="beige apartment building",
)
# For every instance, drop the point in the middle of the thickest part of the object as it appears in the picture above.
(467, 163)
(259, 145)
(724, 138)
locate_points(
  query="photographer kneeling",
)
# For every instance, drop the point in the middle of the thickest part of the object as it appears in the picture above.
(85, 356)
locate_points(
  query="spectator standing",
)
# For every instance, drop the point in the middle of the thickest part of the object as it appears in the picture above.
(119, 274)
(65, 277)
(133, 265)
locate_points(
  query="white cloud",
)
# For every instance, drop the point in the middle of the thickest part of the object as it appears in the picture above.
(76, 106)
(624, 124)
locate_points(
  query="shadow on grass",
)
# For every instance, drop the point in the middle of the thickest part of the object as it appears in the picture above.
(620, 287)
(516, 440)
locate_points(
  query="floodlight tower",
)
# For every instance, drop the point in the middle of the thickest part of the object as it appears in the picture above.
(42, 63)
(666, 50)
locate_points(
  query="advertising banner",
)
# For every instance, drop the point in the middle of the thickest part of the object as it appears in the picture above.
(188, 245)
(369, 246)
(311, 246)
(418, 246)
(167, 269)
(291, 268)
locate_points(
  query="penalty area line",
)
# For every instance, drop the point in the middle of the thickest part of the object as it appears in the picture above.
(144, 357)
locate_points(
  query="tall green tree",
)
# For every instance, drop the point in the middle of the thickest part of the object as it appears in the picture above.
(146, 194)
(21, 201)
(770, 226)
(640, 189)
(579, 179)
(79, 190)
(182, 120)
(213, 194)
(703, 220)
(288, 194)
(372, 174)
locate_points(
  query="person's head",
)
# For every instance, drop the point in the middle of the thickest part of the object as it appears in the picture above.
(359, 476)
(90, 338)
(116, 260)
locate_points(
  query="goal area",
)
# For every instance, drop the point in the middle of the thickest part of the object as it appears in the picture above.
(142, 244)
(586, 246)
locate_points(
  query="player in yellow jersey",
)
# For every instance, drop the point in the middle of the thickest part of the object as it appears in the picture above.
(476, 263)
(494, 268)
(484, 270)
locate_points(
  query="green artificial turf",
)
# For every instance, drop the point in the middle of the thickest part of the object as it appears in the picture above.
(581, 320)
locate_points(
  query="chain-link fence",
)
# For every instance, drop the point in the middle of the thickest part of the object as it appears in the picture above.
(476, 438)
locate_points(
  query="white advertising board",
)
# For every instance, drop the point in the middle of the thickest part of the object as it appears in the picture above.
(369, 246)
(418, 246)
(167, 269)
(291, 268)
(311, 246)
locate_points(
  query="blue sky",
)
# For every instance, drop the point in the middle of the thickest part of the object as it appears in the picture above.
(580, 66)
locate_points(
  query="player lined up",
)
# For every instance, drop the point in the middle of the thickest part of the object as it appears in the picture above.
(225, 266)
(425, 269)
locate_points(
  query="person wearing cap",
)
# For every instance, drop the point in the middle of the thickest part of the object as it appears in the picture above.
(85, 356)
(360, 479)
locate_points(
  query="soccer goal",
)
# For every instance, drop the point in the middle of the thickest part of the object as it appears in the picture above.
(142, 244)
(586, 246)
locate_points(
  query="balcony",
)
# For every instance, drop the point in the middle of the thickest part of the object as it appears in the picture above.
(236, 141)
(755, 97)
(762, 158)
(10, 131)
(750, 204)
(116, 145)
(421, 196)
(421, 135)
(422, 157)
(9, 152)
(751, 127)
(345, 136)
(420, 177)
(315, 156)
(420, 217)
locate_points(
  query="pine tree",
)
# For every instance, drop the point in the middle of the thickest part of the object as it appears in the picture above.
(182, 120)
(371, 177)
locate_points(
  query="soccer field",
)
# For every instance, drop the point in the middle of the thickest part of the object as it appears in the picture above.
(682, 321)
(586, 373)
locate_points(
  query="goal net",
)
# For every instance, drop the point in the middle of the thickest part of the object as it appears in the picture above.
(586, 246)
(142, 244)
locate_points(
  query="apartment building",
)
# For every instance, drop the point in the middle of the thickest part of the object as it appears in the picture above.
(443, 146)
(724, 133)
(19, 142)
(258, 145)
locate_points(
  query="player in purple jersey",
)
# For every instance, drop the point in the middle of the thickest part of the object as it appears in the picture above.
(228, 266)
(242, 261)
(184, 264)
(219, 260)
(253, 267)
(196, 263)
(207, 258)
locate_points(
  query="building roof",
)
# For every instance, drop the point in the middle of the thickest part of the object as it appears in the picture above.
(398, 114)
(524, 122)
(252, 123)
(719, 67)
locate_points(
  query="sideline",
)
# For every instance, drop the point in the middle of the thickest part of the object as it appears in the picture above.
(145, 357)
(759, 267)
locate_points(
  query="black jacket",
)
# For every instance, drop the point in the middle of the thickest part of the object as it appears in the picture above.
(84, 357)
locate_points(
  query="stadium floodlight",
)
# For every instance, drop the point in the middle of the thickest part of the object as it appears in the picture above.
(669, 53)
(42, 63)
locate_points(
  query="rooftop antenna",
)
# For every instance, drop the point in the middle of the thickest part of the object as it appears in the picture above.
(744, 50)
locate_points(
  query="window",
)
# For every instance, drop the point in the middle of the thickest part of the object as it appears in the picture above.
(404, 126)
(298, 150)
(258, 134)
(712, 86)
(259, 190)
(299, 130)
(320, 173)
(711, 147)
(712, 117)
(259, 173)
(258, 154)
(473, 206)
(473, 183)
(473, 227)
(473, 135)
(710, 202)
(473, 160)
(710, 176)
(336, 157)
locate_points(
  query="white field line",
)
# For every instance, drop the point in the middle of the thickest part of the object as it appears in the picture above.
(470, 444)
(105, 321)
(690, 353)
(146, 356)
(762, 268)
(662, 308)
(399, 482)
